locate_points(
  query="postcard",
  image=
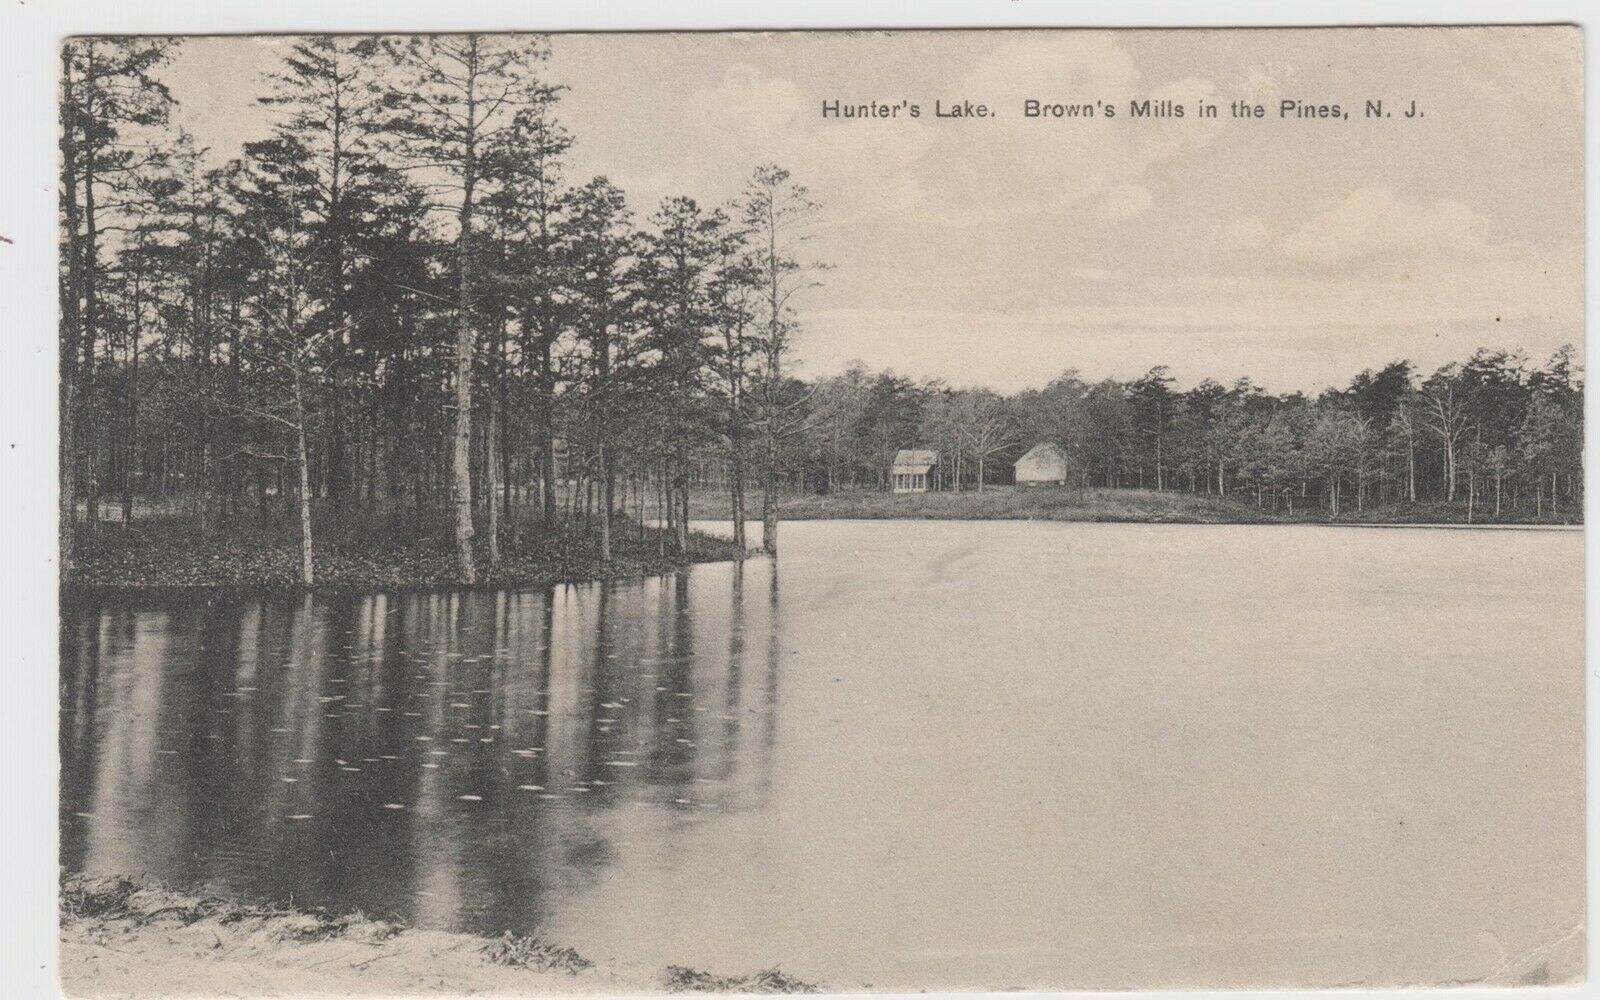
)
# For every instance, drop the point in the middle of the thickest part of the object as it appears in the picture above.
(821, 511)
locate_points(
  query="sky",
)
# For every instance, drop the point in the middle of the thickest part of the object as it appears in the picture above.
(1004, 251)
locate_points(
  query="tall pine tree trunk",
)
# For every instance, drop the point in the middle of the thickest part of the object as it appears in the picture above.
(769, 465)
(736, 441)
(131, 424)
(769, 497)
(736, 490)
(303, 466)
(71, 320)
(461, 465)
(606, 491)
(683, 517)
(547, 433)
(491, 492)
(1411, 468)
(89, 275)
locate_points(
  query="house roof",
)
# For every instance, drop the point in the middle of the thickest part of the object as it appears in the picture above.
(1044, 451)
(914, 460)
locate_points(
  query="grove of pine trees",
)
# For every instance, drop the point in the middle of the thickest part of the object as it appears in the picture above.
(399, 312)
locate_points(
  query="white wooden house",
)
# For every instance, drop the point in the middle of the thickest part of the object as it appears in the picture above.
(914, 471)
(1044, 463)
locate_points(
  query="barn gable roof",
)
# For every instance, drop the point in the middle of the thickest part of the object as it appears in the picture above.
(1044, 451)
(914, 461)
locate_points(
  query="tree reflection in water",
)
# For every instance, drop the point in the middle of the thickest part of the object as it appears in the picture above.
(462, 760)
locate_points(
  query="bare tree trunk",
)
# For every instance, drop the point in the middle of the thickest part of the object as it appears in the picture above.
(663, 513)
(507, 467)
(1411, 469)
(461, 459)
(307, 576)
(461, 465)
(736, 492)
(71, 320)
(491, 486)
(131, 428)
(774, 375)
(605, 505)
(547, 435)
(683, 520)
(89, 276)
(769, 496)
(678, 498)
(1161, 482)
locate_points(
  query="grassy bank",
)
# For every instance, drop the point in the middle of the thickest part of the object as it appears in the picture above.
(1034, 503)
(125, 938)
(1105, 505)
(174, 551)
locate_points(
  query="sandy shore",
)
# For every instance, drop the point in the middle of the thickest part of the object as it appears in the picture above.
(121, 938)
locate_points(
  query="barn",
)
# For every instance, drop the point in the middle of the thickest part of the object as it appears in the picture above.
(913, 471)
(1044, 463)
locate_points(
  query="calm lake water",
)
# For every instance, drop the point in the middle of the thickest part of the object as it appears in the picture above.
(923, 754)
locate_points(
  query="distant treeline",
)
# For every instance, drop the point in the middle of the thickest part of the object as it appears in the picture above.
(1492, 433)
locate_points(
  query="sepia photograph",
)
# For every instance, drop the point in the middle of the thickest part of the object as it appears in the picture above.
(883, 511)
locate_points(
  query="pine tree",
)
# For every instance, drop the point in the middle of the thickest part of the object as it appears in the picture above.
(112, 111)
(779, 214)
(459, 95)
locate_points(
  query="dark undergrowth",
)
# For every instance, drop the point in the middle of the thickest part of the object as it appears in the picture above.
(137, 911)
(143, 903)
(534, 953)
(177, 551)
(682, 979)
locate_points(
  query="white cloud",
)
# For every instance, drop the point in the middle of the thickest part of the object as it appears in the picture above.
(1373, 226)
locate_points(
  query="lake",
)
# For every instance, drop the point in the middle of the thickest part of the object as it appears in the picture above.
(919, 755)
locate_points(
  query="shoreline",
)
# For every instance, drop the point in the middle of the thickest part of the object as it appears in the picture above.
(1123, 505)
(1493, 526)
(158, 559)
(1486, 526)
(123, 937)
(92, 590)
